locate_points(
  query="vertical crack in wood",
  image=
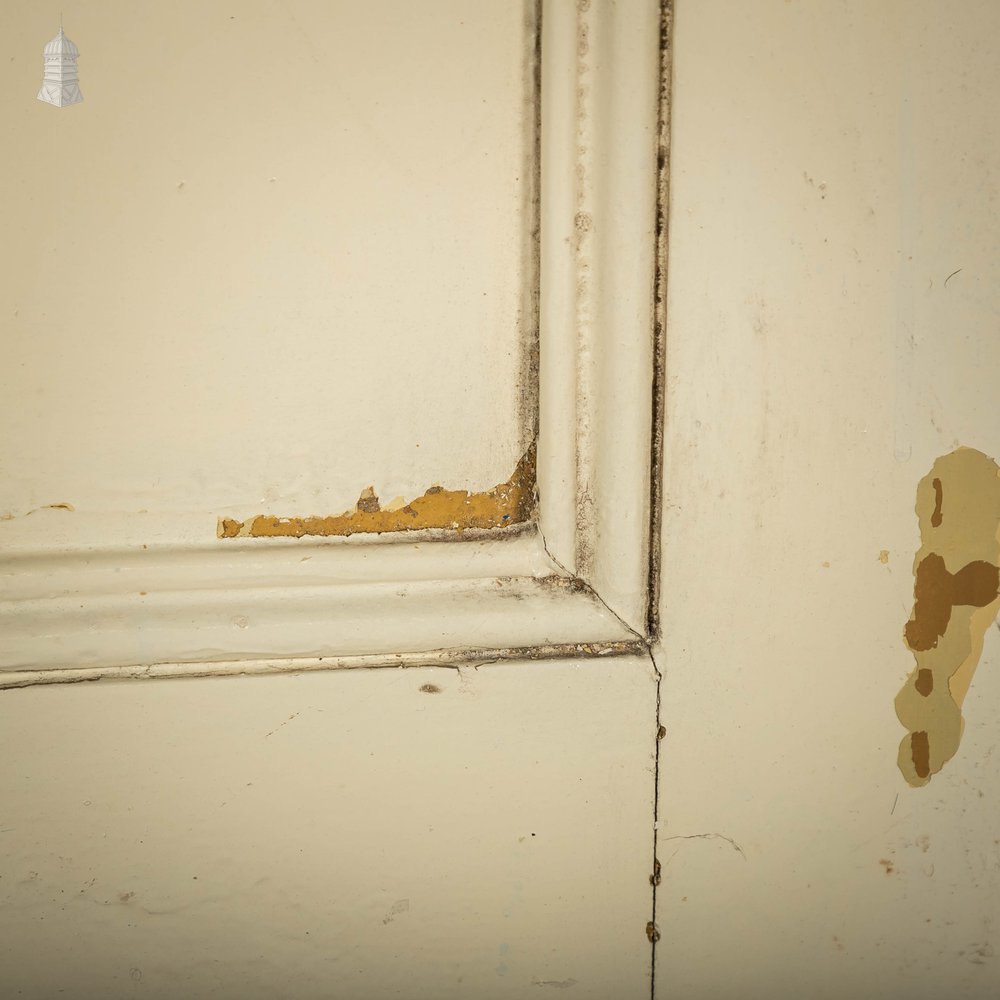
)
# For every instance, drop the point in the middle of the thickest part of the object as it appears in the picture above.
(658, 431)
(655, 874)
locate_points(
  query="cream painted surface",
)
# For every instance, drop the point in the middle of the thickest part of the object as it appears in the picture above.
(341, 834)
(833, 165)
(271, 231)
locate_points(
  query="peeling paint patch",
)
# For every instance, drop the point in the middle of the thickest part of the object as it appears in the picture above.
(956, 597)
(508, 503)
(936, 592)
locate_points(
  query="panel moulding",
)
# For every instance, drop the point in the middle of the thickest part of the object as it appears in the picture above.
(84, 596)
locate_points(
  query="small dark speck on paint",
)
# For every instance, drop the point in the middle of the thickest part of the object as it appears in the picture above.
(430, 689)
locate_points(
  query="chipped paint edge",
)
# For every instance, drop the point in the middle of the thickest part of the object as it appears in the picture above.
(508, 503)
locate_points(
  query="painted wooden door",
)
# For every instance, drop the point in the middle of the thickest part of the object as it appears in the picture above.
(500, 552)
(328, 408)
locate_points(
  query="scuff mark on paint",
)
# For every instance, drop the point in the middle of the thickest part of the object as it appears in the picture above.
(400, 906)
(294, 715)
(956, 597)
(508, 503)
(709, 836)
(49, 506)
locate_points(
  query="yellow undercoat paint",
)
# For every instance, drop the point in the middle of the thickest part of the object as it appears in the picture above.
(508, 503)
(956, 600)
